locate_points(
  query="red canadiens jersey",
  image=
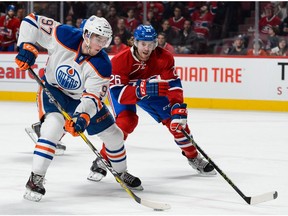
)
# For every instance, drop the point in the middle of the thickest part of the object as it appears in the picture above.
(265, 23)
(9, 28)
(202, 24)
(126, 70)
(131, 24)
(177, 24)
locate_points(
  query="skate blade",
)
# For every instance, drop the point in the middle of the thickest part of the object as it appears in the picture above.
(59, 152)
(139, 188)
(207, 174)
(32, 196)
(95, 177)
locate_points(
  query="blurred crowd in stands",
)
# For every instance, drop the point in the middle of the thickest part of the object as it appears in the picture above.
(208, 27)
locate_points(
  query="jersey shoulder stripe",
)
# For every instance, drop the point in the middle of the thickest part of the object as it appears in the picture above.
(32, 20)
(102, 64)
(69, 36)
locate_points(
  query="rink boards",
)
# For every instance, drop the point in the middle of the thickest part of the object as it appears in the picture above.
(217, 82)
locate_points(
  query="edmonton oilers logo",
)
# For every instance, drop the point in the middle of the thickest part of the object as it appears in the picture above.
(67, 77)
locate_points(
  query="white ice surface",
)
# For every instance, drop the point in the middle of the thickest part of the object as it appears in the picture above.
(250, 147)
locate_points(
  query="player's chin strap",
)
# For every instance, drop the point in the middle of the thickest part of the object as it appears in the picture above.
(147, 203)
(250, 200)
(88, 35)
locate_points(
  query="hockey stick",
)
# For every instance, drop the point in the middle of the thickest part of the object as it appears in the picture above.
(250, 200)
(150, 204)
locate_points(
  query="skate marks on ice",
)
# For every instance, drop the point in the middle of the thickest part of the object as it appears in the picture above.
(249, 146)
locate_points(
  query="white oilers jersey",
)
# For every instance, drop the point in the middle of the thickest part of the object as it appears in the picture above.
(77, 75)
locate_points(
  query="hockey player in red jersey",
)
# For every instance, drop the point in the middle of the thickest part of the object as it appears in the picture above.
(144, 75)
(9, 27)
(77, 74)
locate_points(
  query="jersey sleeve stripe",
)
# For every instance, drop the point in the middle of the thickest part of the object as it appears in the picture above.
(31, 22)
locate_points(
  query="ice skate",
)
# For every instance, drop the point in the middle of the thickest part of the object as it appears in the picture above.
(131, 181)
(34, 188)
(203, 167)
(60, 147)
(97, 171)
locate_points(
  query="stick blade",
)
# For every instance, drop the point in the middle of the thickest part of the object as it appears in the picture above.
(263, 198)
(155, 205)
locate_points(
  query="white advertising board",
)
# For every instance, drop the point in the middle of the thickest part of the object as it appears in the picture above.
(234, 78)
(202, 77)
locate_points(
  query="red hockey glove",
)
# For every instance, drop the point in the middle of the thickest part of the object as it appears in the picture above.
(79, 123)
(27, 55)
(151, 88)
(179, 117)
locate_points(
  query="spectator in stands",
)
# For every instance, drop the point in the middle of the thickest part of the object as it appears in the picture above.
(118, 46)
(162, 43)
(283, 28)
(20, 14)
(151, 20)
(281, 10)
(238, 47)
(92, 8)
(186, 38)
(157, 8)
(203, 19)
(272, 39)
(258, 49)
(171, 34)
(112, 17)
(9, 27)
(130, 40)
(177, 21)
(122, 31)
(78, 22)
(131, 22)
(69, 20)
(269, 20)
(281, 49)
(202, 22)
(99, 13)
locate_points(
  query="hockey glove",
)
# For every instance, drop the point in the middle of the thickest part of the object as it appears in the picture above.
(151, 88)
(27, 55)
(178, 116)
(79, 123)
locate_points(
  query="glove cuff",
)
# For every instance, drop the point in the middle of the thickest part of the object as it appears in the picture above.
(86, 117)
(179, 109)
(30, 47)
(141, 89)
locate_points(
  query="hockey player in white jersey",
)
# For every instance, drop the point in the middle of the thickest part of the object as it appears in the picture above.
(77, 74)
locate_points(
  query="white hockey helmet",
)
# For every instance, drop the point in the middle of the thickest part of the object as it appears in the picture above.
(99, 26)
